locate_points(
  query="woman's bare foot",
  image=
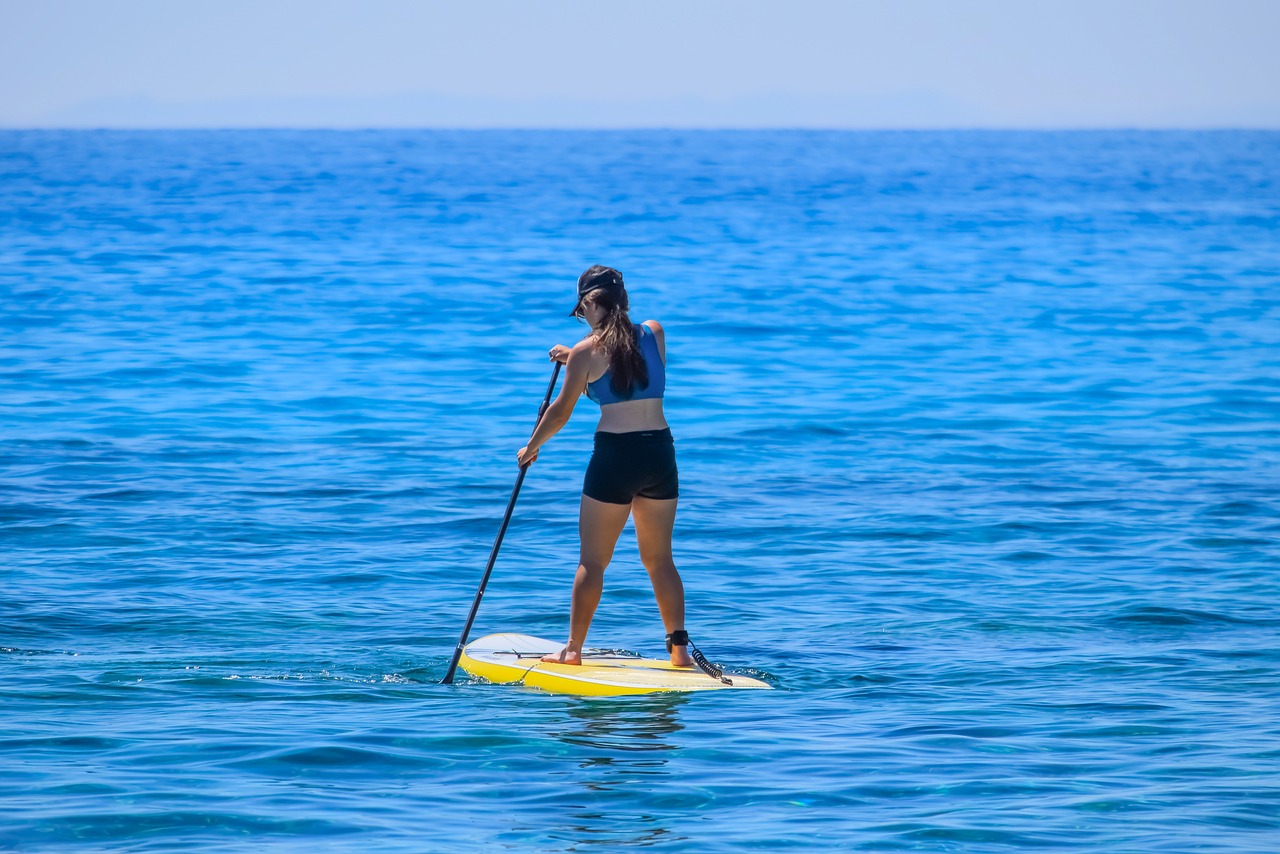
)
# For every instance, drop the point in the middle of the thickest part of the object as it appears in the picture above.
(678, 647)
(564, 656)
(680, 656)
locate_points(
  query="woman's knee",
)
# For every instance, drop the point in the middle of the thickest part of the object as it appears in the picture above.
(593, 567)
(660, 561)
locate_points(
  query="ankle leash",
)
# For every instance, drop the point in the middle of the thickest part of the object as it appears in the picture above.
(680, 637)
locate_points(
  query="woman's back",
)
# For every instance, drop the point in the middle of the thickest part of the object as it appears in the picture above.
(643, 411)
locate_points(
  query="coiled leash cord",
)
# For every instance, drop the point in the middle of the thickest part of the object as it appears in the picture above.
(681, 638)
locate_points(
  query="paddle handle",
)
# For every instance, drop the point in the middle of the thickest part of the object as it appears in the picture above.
(497, 543)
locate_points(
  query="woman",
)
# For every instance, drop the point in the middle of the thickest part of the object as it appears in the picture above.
(622, 367)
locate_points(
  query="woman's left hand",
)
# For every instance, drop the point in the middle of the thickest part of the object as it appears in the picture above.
(526, 457)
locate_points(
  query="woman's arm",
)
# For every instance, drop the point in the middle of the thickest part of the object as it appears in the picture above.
(577, 367)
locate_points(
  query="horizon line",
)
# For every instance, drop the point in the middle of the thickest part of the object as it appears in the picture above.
(647, 128)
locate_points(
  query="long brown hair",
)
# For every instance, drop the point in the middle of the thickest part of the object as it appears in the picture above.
(616, 335)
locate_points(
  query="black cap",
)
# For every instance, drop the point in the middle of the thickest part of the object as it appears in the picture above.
(596, 278)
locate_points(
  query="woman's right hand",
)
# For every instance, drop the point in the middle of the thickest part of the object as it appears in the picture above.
(559, 353)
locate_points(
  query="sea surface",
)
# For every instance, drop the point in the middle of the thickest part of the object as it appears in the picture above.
(979, 437)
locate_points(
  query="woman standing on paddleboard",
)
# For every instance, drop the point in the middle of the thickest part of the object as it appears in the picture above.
(622, 367)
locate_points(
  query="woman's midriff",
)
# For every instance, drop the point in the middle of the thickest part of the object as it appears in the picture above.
(627, 416)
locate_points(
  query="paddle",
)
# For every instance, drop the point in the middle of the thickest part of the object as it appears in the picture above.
(497, 544)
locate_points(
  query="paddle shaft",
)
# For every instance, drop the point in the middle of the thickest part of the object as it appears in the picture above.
(497, 543)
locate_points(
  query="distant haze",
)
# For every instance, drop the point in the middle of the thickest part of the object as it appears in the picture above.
(694, 63)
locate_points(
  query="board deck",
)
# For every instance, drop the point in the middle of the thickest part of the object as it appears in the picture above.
(509, 657)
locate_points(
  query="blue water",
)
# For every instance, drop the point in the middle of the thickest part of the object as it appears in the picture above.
(979, 437)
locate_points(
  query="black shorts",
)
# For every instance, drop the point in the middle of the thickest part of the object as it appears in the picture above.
(625, 465)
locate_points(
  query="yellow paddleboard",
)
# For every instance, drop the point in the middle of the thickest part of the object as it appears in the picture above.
(509, 658)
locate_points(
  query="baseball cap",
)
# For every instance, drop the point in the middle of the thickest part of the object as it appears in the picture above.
(595, 279)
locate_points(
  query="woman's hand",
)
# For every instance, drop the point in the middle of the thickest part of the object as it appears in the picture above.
(559, 353)
(526, 457)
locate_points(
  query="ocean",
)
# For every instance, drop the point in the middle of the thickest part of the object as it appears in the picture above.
(978, 436)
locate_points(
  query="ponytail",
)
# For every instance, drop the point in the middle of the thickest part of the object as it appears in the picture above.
(620, 340)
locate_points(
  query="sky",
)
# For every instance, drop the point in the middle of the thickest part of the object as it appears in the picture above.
(652, 63)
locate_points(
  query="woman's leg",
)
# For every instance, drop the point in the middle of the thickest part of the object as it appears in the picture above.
(599, 525)
(654, 520)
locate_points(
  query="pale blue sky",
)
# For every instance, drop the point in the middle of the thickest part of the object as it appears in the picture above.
(681, 63)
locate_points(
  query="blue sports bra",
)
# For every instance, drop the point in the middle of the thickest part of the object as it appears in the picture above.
(602, 393)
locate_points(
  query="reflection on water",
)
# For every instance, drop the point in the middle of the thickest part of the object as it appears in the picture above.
(599, 834)
(631, 724)
(626, 764)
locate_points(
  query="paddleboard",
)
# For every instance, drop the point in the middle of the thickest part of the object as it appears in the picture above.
(507, 658)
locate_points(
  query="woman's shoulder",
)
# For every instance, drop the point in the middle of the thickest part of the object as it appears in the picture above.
(585, 346)
(654, 326)
(589, 351)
